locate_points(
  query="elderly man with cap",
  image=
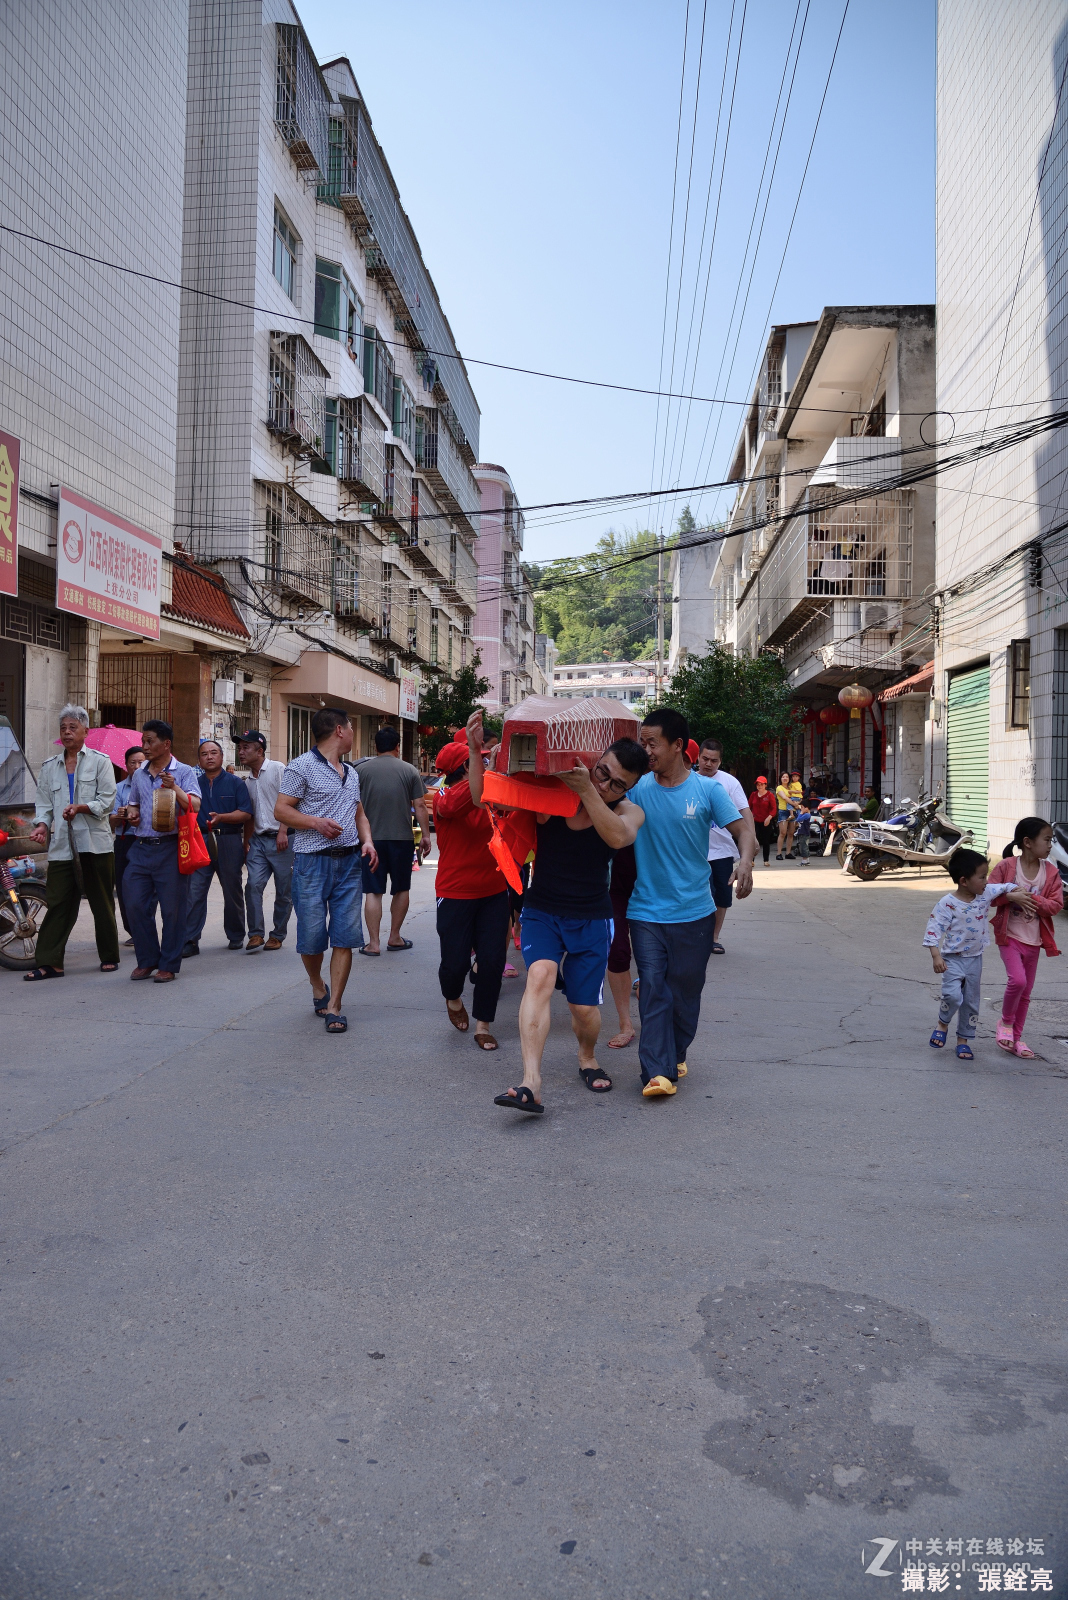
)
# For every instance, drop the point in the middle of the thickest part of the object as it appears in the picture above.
(474, 908)
(75, 794)
(268, 852)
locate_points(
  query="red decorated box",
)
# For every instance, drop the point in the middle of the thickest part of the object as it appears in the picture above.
(542, 736)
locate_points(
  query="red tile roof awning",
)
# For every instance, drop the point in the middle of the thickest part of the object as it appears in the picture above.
(201, 597)
(919, 683)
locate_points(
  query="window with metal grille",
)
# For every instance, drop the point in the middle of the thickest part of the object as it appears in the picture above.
(327, 298)
(1020, 683)
(352, 311)
(285, 253)
(134, 688)
(300, 734)
(434, 636)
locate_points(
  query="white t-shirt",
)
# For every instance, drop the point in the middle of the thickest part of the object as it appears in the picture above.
(264, 791)
(720, 844)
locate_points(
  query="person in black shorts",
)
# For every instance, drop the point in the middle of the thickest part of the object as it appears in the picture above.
(389, 789)
(567, 914)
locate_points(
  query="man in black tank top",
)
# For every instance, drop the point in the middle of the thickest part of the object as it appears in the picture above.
(567, 913)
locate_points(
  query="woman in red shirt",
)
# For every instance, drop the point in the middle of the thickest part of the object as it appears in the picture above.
(473, 903)
(764, 806)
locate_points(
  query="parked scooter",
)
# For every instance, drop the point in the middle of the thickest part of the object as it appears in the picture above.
(835, 815)
(933, 840)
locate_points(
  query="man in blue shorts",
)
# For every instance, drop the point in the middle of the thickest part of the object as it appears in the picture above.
(567, 915)
(671, 913)
(319, 802)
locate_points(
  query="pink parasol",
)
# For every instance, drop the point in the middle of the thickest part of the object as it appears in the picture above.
(114, 742)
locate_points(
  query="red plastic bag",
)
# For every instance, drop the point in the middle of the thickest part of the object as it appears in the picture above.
(192, 851)
(503, 856)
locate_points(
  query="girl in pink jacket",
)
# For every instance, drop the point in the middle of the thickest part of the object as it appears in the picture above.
(1020, 934)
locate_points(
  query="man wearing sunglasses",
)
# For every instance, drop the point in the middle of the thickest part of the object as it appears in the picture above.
(567, 914)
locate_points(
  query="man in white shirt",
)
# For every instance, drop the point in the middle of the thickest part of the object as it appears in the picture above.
(266, 844)
(722, 850)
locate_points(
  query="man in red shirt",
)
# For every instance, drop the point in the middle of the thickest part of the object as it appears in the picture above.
(473, 903)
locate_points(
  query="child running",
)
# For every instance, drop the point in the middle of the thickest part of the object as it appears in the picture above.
(957, 934)
(1021, 934)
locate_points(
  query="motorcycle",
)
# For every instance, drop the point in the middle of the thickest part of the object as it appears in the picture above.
(930, 840)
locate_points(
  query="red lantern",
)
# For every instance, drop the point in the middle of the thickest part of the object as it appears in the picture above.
(856, 698)
(810, 715)
(832, 715)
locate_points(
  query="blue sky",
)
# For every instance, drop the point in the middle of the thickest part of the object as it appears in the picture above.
(534, 148)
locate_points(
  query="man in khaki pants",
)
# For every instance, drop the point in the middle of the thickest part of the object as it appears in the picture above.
(75, 794)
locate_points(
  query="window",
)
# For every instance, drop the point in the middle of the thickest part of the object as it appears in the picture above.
(329, 464)
(300, 735)
(1020, 683)
(352, 312)
(434, 636)
(403, 413)
(285, 254)
(505, 688)
(327, 299)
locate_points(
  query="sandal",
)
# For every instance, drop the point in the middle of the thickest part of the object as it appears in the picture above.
(486, 1041)
(405, 944)
(1004, 1038)
(107, 966)
(681, 1069)
(321, 1004)
(335, 1023)
(621, 1043)
(964, 1053)
(658, 1086)
(519, 1099)
(590, 1075)
(1024, 1051)
(937, 1041)
(459, 1019)
(365, 952)
(39, 974)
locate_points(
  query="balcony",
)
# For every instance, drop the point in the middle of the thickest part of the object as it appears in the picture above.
(298, 557)
(361, 183)
(461, 581)
(301, 101)
(296, 397)
(419, 625)
(832, 549)
(438, 458)
(357, 577)
(396, 508)
(361, 452)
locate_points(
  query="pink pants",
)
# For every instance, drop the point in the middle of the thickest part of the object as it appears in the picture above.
(1021, 964)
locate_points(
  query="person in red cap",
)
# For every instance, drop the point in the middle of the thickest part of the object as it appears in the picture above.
(692, 752)
(473, 902)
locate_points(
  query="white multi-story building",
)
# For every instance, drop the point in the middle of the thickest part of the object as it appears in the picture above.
(89, 365)
(504, 626)
(835, 583)
(693, 606)
(328, 428)
(633, 682)
(998, 727)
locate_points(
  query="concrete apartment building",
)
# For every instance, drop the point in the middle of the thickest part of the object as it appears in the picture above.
(835, 582)
(693, 606)
(998, 711)
(504, 633)
(633, 682)
(326, 439)
(94, 158)
(304, 469)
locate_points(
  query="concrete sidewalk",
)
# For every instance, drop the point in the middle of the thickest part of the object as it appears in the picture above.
(286, 1315)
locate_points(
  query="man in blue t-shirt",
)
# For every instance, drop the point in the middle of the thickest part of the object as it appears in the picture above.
(671, 913)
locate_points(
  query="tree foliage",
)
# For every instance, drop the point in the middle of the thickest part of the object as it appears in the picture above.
(740, 700)
(600, 616)
(448, 703)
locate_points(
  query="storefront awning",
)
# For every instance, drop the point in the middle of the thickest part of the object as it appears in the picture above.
(919, 683)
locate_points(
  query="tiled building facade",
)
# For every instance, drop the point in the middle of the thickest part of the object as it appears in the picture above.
(296, 426)
(999, 703)
(504, 626)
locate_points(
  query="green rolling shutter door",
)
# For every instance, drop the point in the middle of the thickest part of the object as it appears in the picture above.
(968, 751)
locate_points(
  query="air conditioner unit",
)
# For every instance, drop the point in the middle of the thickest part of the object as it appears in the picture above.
(875, 614)
(222, 692)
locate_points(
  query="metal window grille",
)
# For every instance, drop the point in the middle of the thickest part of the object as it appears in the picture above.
(770, 398)
(298, 547)
(1020, 683)
(361, 451)
(302, 104)
(300, 735)
(296, 402)
(437, 455)
(134, 688)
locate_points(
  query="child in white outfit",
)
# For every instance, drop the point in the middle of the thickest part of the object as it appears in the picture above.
(957, 934)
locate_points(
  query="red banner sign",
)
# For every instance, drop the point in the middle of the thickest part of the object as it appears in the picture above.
(10, 450)
(107, 569)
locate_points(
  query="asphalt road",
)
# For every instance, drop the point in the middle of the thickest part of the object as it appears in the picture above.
(287, 1316)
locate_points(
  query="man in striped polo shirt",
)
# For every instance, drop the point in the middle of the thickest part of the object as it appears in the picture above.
(319, 800)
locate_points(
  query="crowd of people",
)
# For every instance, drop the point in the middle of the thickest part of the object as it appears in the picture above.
(638, 869)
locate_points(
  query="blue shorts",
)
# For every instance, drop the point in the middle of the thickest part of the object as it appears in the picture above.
(323, 886)
(583, 941)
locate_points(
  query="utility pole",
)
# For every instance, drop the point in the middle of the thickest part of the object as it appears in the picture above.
(659, 613)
